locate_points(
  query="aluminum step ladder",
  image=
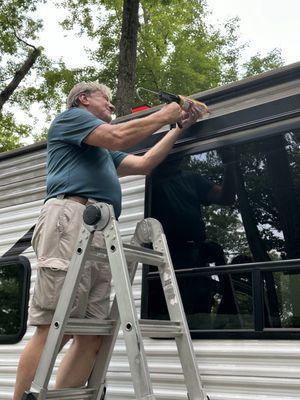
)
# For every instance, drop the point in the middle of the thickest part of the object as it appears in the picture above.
(123, 260)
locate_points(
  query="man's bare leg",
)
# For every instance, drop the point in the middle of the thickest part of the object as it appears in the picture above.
(78, 362)
(29, 361)
(30, 358)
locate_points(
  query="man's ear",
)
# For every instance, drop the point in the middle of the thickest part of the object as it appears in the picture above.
(83, 99)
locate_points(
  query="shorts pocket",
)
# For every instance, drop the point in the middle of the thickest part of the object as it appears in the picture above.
(56, 233)
(48, 287)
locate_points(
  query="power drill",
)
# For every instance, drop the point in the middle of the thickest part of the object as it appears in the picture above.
(185, 102)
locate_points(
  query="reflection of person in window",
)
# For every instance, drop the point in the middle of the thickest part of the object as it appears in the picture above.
(177, 197)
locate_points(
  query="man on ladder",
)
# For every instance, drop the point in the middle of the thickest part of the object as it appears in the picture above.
(84, 161)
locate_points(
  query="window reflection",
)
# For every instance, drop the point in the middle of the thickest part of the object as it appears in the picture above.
(179, 190)
(10, 299)
(285, 313)
(233, 205)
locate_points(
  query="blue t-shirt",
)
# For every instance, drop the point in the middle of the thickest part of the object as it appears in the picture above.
(76, 168)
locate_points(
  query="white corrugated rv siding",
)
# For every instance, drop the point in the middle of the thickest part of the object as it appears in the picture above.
(230, 369)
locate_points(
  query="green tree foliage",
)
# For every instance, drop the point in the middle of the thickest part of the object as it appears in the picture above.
(258, 64)
(27, 76)
(11, 132)
(180, 52)
(17, 56)
(15, 24)
(177, 50)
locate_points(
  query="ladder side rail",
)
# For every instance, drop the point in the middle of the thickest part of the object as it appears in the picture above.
(61, 315)
(98, 375)
(128, 315)
(176, 312)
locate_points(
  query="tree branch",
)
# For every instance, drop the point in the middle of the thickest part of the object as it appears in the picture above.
(19, 75)
(22, 40)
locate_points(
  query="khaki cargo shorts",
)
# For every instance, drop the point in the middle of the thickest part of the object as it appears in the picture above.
(54, 241)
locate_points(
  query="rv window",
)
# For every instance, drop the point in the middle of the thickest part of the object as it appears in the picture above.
(237, 205)
(14, 294)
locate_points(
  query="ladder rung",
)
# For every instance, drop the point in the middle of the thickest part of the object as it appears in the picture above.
(132, 253)
(148, 327)
(90, 326)
(71, 394)
(158, 328)
(143, 255)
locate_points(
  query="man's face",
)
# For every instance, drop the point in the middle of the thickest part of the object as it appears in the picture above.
(98, 104)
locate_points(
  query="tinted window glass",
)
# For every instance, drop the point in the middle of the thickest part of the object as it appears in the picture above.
(14, 293)
(211, 302)
(10, 304)
(231, 206)
(282, 299)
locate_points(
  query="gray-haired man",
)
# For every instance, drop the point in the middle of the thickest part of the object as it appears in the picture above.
(84, 161)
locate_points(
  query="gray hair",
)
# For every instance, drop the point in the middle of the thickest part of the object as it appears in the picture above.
(86, 87)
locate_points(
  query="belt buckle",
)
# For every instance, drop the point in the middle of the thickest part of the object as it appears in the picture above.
(90, 201)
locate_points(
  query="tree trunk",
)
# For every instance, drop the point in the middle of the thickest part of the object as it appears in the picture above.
(127, 57)
(253, 236)
(259, 253)
(284, 192)
(19, 75)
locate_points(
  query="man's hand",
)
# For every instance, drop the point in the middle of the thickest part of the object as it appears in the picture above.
(171, 113)
(190, 117)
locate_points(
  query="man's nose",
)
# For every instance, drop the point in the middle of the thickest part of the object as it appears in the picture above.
(112, 107)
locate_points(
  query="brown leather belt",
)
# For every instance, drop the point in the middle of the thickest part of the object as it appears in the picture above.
(78, 199)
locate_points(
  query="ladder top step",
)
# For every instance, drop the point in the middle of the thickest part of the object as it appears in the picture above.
(132, 253)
